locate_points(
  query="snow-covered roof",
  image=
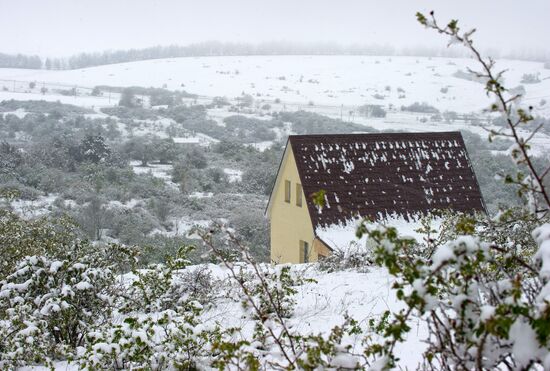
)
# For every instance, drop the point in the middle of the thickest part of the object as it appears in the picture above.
(385, 174)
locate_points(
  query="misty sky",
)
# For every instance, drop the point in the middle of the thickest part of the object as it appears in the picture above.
(63, 27)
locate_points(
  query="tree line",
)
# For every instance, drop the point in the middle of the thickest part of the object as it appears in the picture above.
(20, 61)
(217, 48)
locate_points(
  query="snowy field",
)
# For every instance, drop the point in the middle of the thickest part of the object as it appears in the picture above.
(298, 80)
(334, 86)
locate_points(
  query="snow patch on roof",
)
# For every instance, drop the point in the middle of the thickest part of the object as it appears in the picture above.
(343, 236)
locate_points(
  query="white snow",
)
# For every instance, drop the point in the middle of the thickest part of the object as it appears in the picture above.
(82, 101)
(58, 366)
(182, 227)
(233, 175)
(186, 140)
(542, 237)
(261, 146)
(324, 80)
(201, 195)
(322, 304)
(83, 285)
(126, 205)
(336, 85)
(525, 343)
(161, 171)
(18, 112)
(37, 207)
(342, 236)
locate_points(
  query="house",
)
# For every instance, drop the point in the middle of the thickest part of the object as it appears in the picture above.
(379, 176)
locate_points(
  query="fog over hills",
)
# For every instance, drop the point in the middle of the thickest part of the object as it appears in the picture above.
(35, 27)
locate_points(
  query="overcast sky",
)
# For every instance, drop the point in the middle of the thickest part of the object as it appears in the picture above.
(63, 27)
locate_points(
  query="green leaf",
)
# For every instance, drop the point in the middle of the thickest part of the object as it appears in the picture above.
(421, 18)
(318, 198)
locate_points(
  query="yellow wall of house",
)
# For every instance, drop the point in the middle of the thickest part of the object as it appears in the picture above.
(320, 248)
(289, 223)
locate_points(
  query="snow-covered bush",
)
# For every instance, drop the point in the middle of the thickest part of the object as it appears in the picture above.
(47, 307)
(471, 292)
(156, 323)
(167, 286)
(359, 259)
(20, 238)
(199, 284)
(155, 341)
(484, 292)
(54, 288)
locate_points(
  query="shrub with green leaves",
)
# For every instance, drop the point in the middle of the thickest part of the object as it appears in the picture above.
(483, 291)
(48, 306)
(154, 341)
(20, 238)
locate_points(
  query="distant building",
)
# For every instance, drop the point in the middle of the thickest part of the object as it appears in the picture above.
(383, 175)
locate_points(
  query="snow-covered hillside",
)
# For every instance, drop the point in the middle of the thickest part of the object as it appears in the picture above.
(301, 80)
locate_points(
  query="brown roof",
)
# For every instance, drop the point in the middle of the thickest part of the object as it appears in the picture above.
(379, 175)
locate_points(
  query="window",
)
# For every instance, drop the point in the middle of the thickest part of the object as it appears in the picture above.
(287, 191)
(304, 252)
(298, 195)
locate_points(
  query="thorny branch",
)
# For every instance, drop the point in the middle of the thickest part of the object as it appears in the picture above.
(207, 239)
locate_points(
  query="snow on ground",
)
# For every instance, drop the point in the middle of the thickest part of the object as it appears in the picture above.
(20, 113)
(160, 171)
(233, 175)
(34, 208)
(156, 127)
(182, 227)
(186, 140)
(322, 80)
(82, 101)
(199, 195)
(219, 114)
(200, 139)
(130, 204)
(261, 146)
(363, 296)
(330, 85)
(322, 304)
(415, 122)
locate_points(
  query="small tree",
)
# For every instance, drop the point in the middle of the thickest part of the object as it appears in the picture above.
(94, 149)
(96, 92)
(140, 148)
(128, 98)
(165, 150)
